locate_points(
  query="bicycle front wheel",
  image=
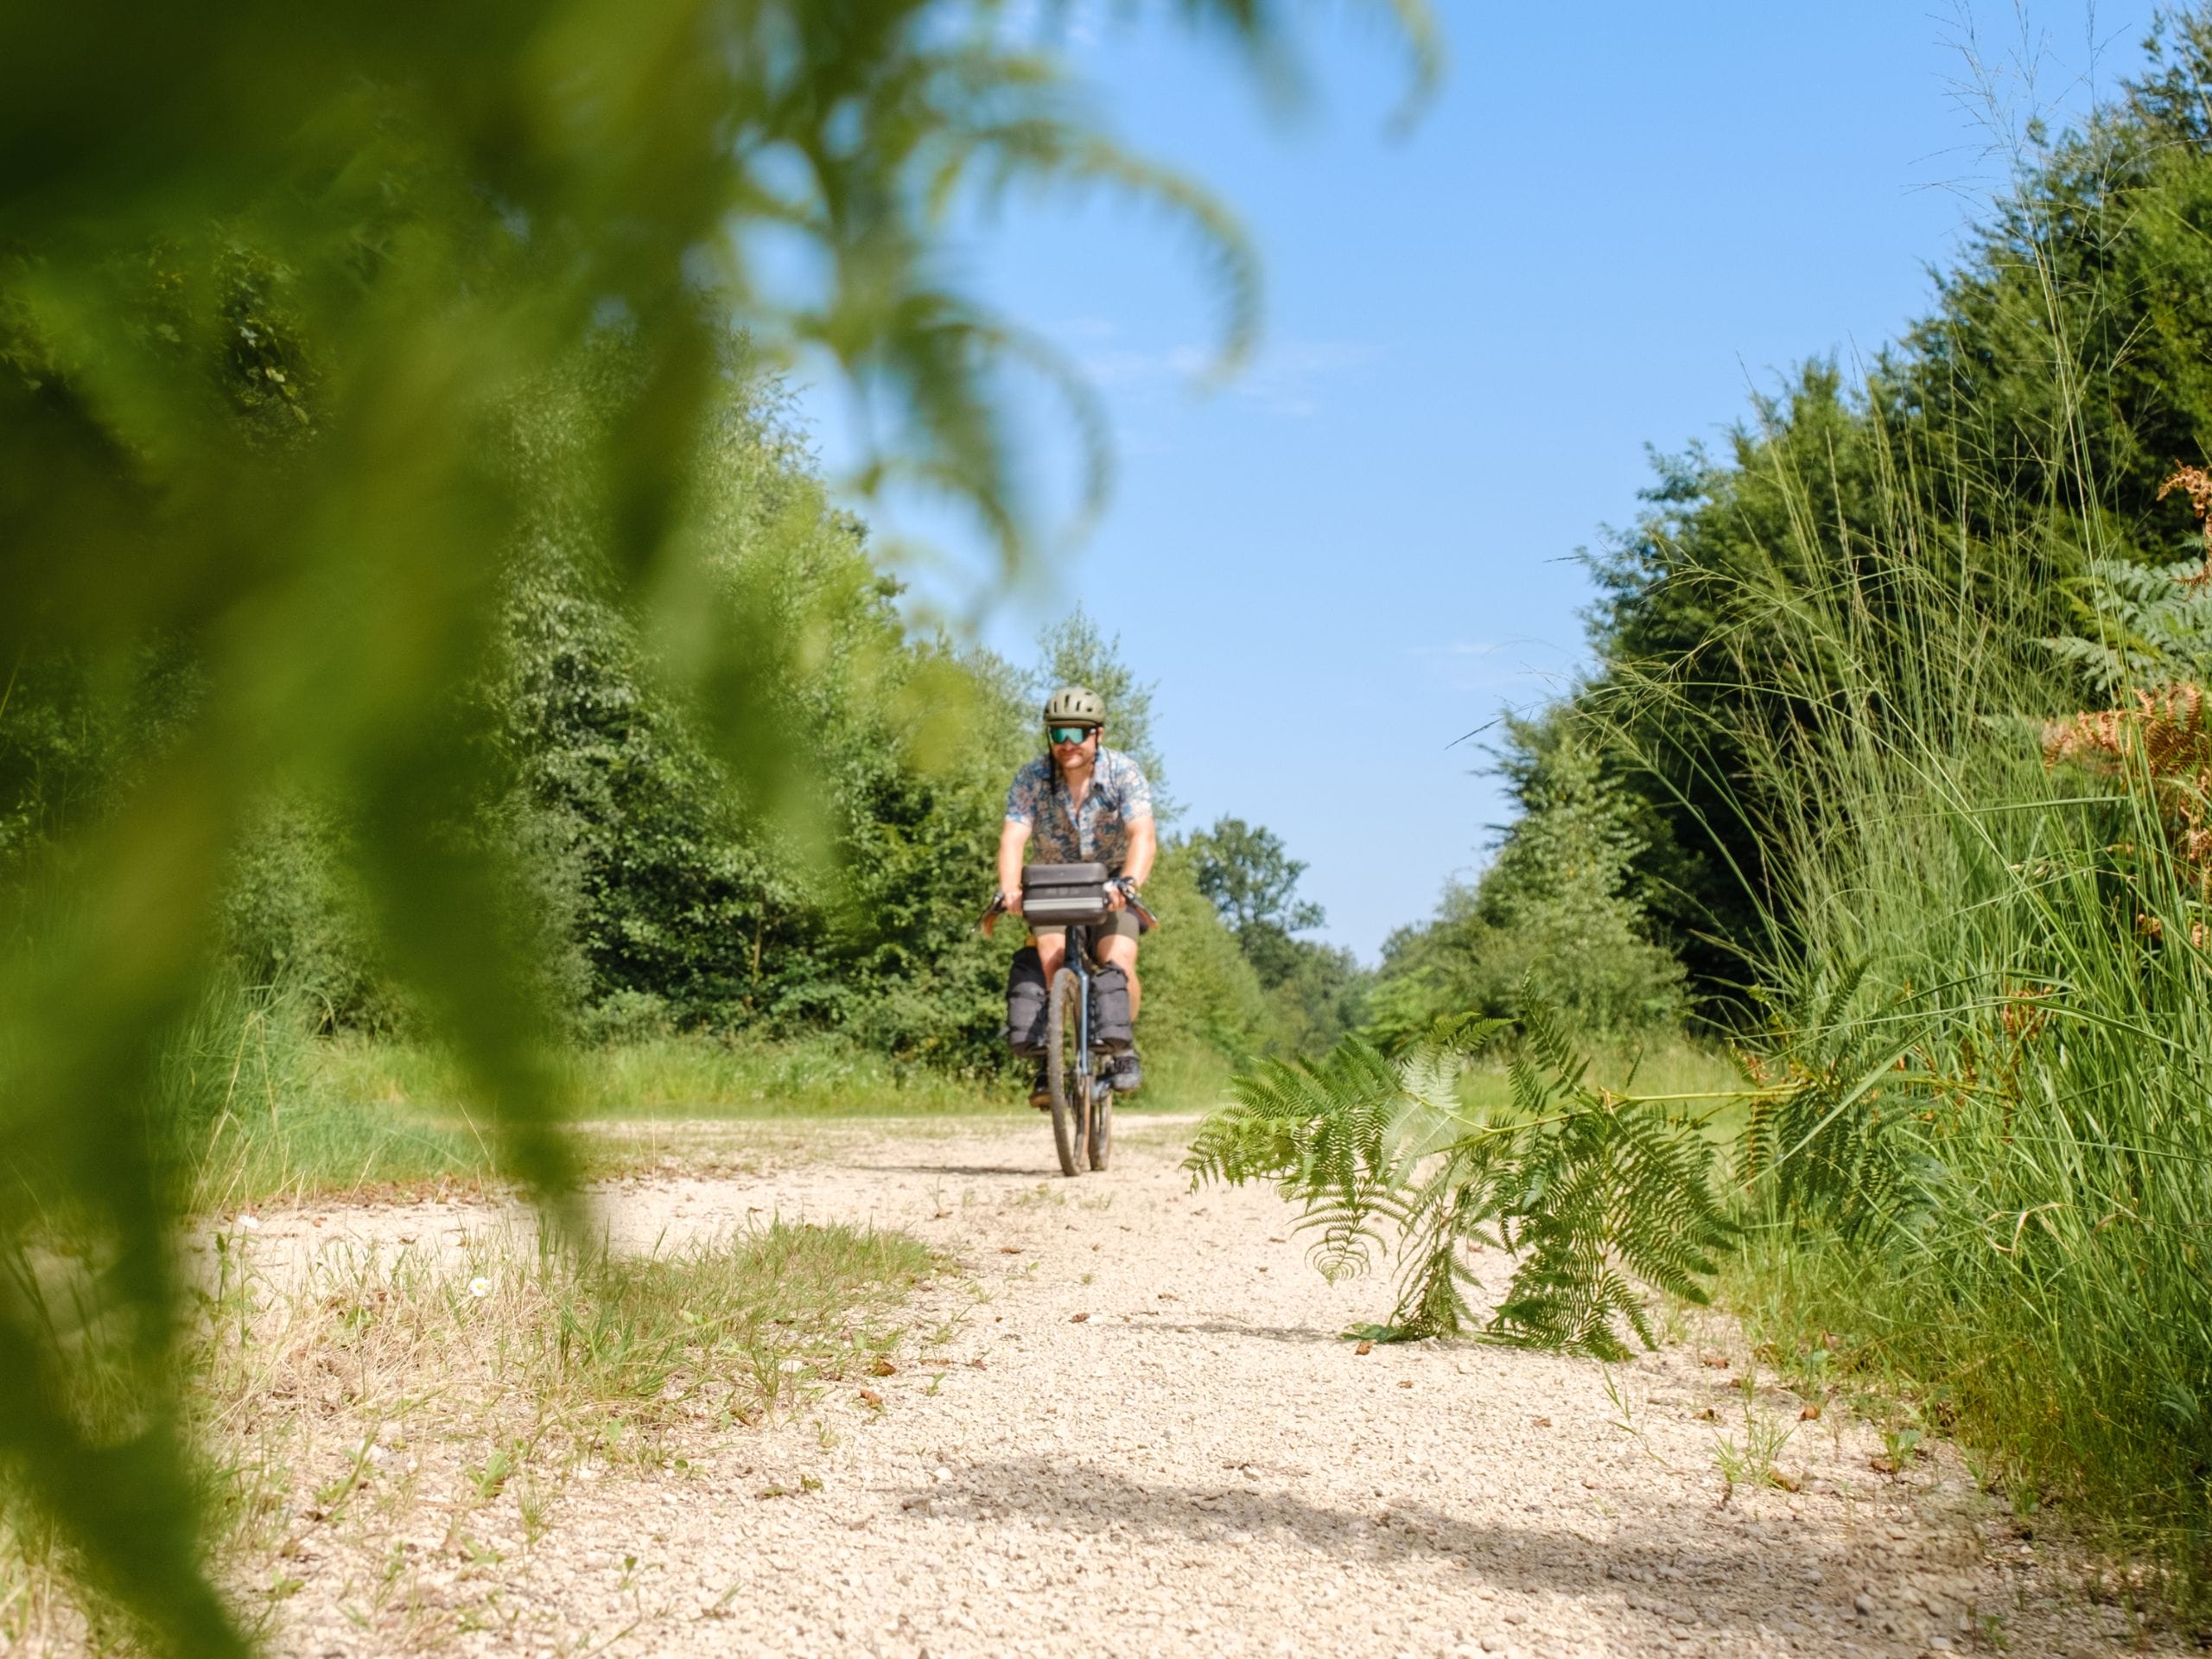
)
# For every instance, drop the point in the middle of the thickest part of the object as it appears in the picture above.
(1102, 1122)
(1068, 1076)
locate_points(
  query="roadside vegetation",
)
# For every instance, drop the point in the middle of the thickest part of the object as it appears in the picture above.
(353, 1397)
(1937, 704)
(1892, 778)
(444, 702)
(426, 635)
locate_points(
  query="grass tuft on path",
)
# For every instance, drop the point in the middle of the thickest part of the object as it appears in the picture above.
(346, 1400)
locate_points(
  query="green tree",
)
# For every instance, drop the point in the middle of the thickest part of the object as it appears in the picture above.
(1554, 912)
(2026, 425)
(1075, 652)
(1252, 881)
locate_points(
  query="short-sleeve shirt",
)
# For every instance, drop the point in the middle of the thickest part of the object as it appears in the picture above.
(1098, 831)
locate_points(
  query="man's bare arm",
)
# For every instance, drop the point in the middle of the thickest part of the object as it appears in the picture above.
(1013, 837)
(1144, 847)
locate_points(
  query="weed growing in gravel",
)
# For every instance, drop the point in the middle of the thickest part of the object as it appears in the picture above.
(1900, 1445)
(1752, 1464)
(336, 1404)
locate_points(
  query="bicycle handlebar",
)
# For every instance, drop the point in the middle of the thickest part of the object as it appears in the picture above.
(997, 908)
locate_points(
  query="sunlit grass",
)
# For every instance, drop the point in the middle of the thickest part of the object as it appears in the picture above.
(1667, 1065)
(270, 1112)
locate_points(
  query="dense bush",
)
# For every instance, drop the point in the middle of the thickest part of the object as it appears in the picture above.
(698, 900)
(2026, 424)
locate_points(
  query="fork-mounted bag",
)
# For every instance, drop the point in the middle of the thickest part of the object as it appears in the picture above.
(1025, 1003)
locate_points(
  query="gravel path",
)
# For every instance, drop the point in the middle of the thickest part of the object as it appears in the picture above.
(1144, 1438)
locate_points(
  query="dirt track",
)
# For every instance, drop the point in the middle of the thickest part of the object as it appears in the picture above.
(1149, 1439)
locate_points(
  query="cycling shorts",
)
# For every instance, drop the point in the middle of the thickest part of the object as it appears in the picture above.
(1122, 925)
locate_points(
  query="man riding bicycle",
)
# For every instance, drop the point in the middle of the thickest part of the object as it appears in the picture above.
(1082, 802)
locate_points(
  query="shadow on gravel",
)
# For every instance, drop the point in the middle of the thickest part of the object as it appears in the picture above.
(1304, 1334)
(1036, 1172)
(1673, 1563)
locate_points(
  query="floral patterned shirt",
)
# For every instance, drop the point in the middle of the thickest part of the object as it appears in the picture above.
(1098, 831)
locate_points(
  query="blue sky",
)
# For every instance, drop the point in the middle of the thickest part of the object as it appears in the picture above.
(1616, 222)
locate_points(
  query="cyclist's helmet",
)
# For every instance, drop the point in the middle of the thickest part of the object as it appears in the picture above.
(1075, 705)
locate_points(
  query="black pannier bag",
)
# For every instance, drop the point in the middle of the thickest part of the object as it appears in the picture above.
(1025, 1003)
(1065, 895)
(1110, 1024)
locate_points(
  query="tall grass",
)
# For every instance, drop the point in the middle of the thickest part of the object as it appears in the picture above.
(254, 1106)
(1981, 1170)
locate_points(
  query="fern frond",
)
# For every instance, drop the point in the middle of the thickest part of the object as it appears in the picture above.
(1596, 1195)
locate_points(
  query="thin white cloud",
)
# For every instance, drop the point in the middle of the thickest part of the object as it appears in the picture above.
(1286, 379)
(1116, 370)
(1489, 667)
(1460, 648)
(1067, 27)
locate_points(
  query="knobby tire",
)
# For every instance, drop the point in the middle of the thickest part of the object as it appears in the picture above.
(1071, 1091)
(1102, 1123)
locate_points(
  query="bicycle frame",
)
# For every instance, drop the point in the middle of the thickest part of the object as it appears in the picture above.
(1079, 959)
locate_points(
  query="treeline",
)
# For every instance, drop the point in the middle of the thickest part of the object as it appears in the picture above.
(665, 889)
(2017, 441)
(1893, 770)
(2012, 442)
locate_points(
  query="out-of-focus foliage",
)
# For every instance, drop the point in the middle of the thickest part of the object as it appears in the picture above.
(698, 912)
(1555, 912)
(278, 286)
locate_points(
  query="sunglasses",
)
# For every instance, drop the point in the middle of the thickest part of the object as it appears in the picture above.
(1069, 733)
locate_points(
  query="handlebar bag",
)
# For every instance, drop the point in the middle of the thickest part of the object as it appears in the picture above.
(1065, 895)
(1025, 1003)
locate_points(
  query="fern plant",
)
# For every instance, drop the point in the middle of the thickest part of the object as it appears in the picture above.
(2140, 626)
(1819, 1141)
(1599, 1194)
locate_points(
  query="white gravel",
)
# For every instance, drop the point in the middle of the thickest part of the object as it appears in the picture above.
(1146, 1438)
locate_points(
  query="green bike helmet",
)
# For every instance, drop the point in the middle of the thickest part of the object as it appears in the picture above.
(1075, 705)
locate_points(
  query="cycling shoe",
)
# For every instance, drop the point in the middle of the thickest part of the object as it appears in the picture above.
(1125, 1073)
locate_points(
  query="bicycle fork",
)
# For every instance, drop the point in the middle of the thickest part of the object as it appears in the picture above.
(1083, 1016)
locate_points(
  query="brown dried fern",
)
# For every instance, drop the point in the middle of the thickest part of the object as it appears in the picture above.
(2198, 483)
(2166, 733)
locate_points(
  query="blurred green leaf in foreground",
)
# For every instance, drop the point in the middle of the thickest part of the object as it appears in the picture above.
(276, 284)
